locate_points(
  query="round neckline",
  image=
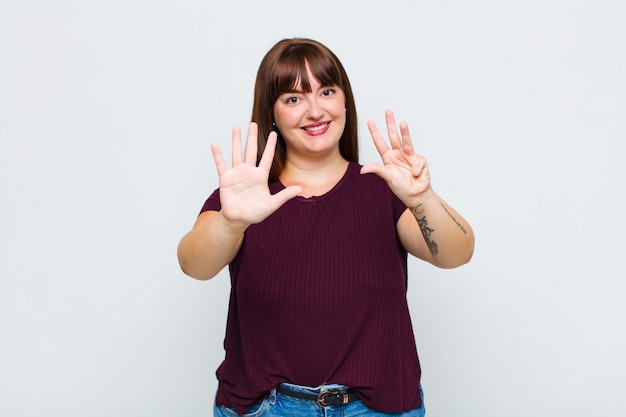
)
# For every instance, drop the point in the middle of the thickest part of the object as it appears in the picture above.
(316, 198)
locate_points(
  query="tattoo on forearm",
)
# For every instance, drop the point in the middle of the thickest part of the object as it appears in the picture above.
(426, 231)
(453, 219)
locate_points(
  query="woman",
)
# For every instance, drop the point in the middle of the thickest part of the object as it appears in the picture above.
(317, 249)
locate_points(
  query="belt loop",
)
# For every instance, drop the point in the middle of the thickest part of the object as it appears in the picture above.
(272, 397)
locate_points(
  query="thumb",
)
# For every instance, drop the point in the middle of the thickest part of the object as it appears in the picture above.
(285, 195)
(373, 168)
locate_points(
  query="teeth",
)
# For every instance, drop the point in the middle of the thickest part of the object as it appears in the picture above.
(316, 128)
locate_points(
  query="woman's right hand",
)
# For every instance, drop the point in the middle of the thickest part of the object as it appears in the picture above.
(244, 191)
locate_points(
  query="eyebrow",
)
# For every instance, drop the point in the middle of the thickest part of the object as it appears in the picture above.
(296, 91)
(292, 91)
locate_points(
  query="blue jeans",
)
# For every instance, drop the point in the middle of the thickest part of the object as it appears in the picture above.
(277, 405)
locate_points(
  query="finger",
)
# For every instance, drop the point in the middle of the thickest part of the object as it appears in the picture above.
(220, 164)
(407, 143)
(425, 171)
(253, 134)
(236, 146)
(374, 168)
(419, 167)
(285, 195)
(379, 142)
(268, 153)
(392, 130)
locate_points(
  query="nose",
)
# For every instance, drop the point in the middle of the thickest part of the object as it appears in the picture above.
(314, 110)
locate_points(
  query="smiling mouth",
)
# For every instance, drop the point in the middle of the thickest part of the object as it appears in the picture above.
(317, 129)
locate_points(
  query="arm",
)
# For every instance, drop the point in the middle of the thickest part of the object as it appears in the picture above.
(211, 244)
(435, 232)
(216, 237)
(430, 229)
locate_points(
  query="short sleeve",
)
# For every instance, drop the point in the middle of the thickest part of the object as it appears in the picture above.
(213, 202)
(398, 207)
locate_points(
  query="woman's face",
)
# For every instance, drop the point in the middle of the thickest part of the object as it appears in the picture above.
(311, 123)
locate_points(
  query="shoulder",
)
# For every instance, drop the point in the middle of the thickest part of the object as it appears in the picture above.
(375, 189)
(372, 180)
(367, 183)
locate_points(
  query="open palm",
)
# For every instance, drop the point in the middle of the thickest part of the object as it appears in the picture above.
(244, 191)
(405, 172)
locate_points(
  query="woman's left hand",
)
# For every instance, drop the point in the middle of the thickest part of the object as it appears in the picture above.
(405, 172)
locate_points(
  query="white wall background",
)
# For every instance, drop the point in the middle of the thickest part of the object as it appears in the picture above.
(107, 112)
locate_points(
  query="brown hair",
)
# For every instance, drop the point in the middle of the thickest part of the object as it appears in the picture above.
(280, 71)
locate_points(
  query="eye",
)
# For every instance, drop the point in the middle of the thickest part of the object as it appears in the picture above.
(329, 92)
(291, 99)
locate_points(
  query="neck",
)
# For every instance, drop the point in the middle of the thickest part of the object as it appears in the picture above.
(315, 178)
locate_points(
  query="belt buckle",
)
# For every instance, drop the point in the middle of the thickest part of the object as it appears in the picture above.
(321, 399)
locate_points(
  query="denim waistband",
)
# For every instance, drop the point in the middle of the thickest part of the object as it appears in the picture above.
(316, 390)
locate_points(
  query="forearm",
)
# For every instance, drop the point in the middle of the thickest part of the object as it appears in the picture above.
(209, 246)
(448, 236)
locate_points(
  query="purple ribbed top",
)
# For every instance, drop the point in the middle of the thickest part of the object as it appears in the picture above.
(319, 296)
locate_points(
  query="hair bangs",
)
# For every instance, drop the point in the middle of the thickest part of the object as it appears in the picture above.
(292, 73)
